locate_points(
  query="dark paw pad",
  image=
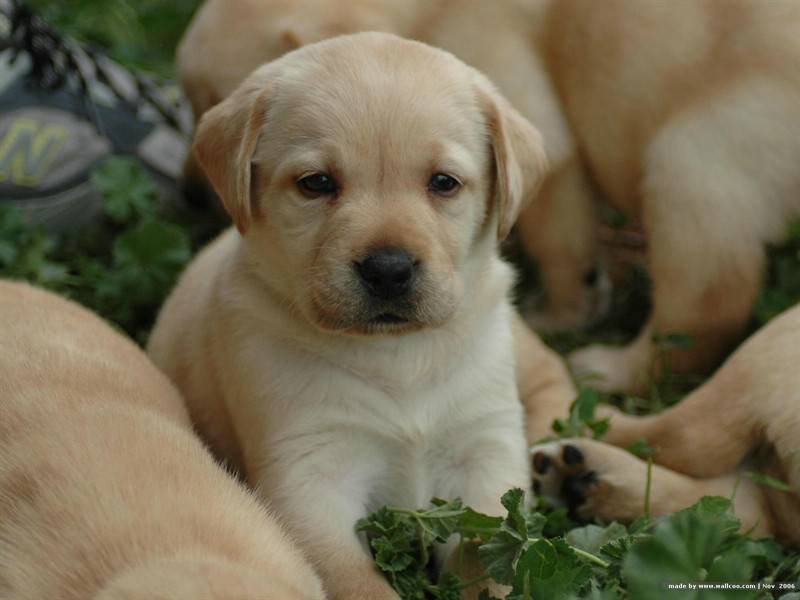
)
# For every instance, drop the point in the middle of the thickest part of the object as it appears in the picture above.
(574, 489)
(541, 463)
(571, 455)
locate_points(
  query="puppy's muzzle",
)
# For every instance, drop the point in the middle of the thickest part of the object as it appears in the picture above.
(388, 273)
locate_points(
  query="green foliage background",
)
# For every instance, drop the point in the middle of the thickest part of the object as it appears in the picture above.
(137, 33)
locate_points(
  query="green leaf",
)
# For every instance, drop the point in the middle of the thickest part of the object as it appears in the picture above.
(499, 556)
(585, 404)
(764, 479)
(535, 523)
(549, 569)
(146, 261)
(8, 253)
(592, 538)
(596, 593)
(153, 244)
(581, 417)
(558, 522)
(128, 191)
(449, 587)
(539, 560)
(641, 448)
(683, 548)
(599, 428)
(474, 524)
(732, 565)
(512, 501)
(765, 550)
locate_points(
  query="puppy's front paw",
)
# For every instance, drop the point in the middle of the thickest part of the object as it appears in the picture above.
(590, 478)
(608, 368)
(560, 474)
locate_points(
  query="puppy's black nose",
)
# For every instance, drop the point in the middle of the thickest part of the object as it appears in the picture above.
(387, 273)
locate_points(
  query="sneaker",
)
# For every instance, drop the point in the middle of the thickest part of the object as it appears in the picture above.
(65, 107)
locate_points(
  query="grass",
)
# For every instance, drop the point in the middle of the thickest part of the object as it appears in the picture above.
(123, 265)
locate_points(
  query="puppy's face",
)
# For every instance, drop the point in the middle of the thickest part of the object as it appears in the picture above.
(374, 166)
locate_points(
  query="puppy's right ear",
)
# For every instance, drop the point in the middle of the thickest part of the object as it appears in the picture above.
(224, 143)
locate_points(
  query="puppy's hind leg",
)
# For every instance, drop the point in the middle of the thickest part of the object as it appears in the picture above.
(708, 208)
(707, 434)
(751, 400)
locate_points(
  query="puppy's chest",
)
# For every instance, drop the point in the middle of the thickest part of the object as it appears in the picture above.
(400, 443)
(411, 414)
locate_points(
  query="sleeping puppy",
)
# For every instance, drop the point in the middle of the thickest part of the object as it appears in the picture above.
(352, 344)
(751, 404)
(683, 115)
(105, 491)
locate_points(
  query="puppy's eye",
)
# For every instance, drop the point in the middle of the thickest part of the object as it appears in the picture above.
(443, 185)
(316, 185)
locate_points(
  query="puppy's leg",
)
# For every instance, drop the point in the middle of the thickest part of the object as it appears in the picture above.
(718, 184)
(558, 230)
(320, 506)
(488, 462)
(610, 368)
(544, 385)
(749, 400)
(706, 269)
(465, 563)
(595, 479)
(707, 434)
(711, 307)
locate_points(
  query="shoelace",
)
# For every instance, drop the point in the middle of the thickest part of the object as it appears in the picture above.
(55, 60)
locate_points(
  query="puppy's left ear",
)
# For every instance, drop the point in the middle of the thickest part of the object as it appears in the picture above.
(224, 145)
(519, 158)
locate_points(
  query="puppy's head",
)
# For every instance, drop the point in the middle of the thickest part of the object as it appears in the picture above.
(366, 174)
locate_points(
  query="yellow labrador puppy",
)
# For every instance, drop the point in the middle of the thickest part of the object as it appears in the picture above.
(105, 491)
(354, 339)
(684, 115)
(752, 403)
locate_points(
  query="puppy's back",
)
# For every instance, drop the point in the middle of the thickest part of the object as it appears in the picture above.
(104, 490)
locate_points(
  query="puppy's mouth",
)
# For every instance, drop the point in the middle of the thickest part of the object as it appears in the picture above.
(388, 323)
(378, 320)
(389, 319)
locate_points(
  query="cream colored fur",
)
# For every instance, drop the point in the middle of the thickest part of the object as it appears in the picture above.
(684, 115)
(751, 406)
(105, 491)
(268, 334)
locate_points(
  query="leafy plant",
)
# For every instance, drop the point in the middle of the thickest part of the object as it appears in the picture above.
(699, 546)
(782, 281)
(140, 34)
(581, 417)
(128, 190)
(122, 266)
(27, 252)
